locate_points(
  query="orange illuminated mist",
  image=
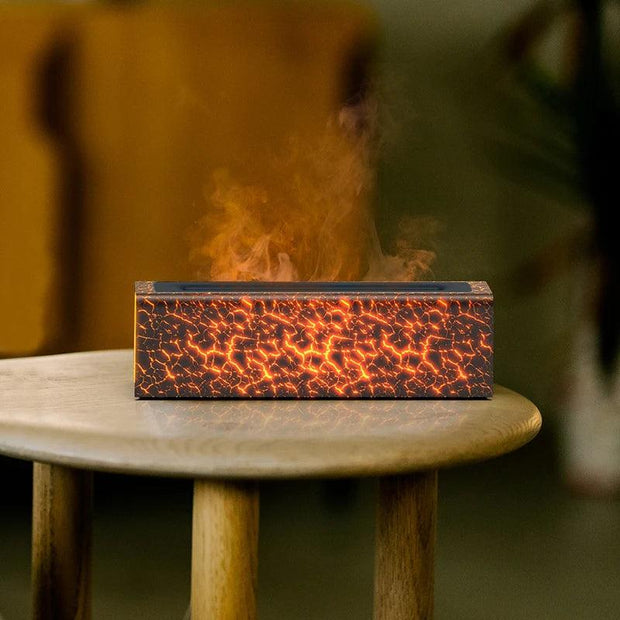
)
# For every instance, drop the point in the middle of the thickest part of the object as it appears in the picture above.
(306, 215)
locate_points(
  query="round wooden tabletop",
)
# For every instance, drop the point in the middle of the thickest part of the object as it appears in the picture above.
(78, 409)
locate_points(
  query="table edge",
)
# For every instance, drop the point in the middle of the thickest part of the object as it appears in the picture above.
(228, 466)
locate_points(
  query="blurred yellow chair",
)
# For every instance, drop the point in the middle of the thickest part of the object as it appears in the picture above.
(114, 120)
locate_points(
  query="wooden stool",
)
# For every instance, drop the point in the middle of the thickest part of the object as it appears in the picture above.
(76, 413)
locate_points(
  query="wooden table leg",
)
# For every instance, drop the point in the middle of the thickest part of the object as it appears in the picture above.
(405, 544)
(224, 550)
(61, 542)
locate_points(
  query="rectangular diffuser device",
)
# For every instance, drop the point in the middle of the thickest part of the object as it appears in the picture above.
(313, 340)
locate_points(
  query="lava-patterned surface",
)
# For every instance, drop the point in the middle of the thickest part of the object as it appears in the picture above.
(309, 346)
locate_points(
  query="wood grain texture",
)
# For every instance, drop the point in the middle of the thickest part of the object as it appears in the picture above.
(405, 547)
(224, 550)
(61, 543)
(78, 409)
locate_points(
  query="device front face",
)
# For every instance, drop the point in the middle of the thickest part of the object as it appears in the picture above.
(313, 340)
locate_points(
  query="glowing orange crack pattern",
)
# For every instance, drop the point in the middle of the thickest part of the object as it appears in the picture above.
(313, 347)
